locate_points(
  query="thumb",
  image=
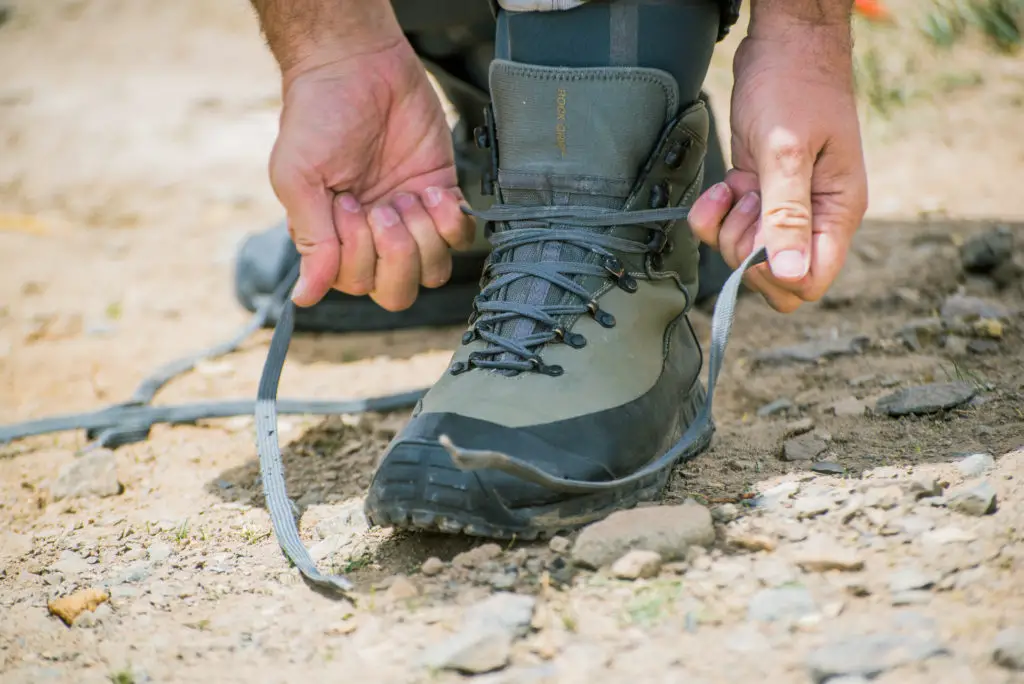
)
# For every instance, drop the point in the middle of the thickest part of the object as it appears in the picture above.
(784, 171)
(311, 226)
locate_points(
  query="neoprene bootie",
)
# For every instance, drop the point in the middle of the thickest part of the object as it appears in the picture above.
(579, 366)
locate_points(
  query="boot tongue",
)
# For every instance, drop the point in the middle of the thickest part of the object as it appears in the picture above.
(576, 131)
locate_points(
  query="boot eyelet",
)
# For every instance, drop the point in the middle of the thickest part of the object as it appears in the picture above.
(615, 267)
(553, 371)
(628, 283)
(468, 336)
(657, 242)
(676, 153)
(660, 195)
(603, 318)
(482, 137)
(458, 367)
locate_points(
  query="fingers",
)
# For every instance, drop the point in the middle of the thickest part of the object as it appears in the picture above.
(784, 171)
(454, 226)
(397, 271)
(435, 259)
(358, 254)
(708, 212)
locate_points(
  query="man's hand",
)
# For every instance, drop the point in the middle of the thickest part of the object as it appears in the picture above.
(363, 162)
(798, 186)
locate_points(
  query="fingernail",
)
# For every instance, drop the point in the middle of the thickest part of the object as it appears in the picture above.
(349, 204)
(383, 217)
(750, 203)
(404, 201)
(433, 197)
(789, 263)
(299, 289)
(719, 191)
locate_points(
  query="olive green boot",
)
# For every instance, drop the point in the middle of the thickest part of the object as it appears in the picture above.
(579, 374)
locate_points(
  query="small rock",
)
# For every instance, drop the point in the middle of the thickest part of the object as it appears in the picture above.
(955, 345)
(988, 328)
(725, 513)
(432, 566)
(508, 612)
(870, 655)
(1008, 649)
(884, 498)
(347, 519)
(751, 541)
(983, 253)
(401, 589)
(923, 485)
(798, 427)
(972, 308)
(910, 598)
(920, 330)
(471, 652)
(476, 556)
(975, 464)
(94, 474)
(502, 580)
(637, 564)
(977, 499)
(69, 563)
(850, 406)
(821, 555)
(135, 572)
(947, 535)
(828, 468)
(911, 525)
(925, 399)
(667, 530)
(70, 607)
(812, 506)
(983, 347)
(775, 408)
(159, 551)
(560, 544)
(815, 350)
(909, 579)
(803, 448)
(784, 603)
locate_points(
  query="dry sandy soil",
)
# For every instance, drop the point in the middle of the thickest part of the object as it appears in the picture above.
(133, 140)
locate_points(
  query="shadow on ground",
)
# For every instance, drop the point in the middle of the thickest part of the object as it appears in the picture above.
(897, 274)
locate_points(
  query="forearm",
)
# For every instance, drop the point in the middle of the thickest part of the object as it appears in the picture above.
(304, 33)
(777, 17)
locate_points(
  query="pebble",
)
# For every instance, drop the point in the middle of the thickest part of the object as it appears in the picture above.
(947, 535)
(798, 427)
(346, 519)
(925, 399)
(476, 556)
(401, 589)
(885, 498)
(850, 406)
(955, 345)
(803, 448)
(983, 253)
(69, 563)
(924, 485)
(135, 572)
(94, 474)
(667, 530)
(975, 464)
(70, 607)
(471, 652)
(812, 506)
(828, 468)
(751, 541)
(775, 408)
(159, 551)
(988, 328)
(432, 566)
(509, 612)
(725, 513)
(870, 655)
(982, 347)
(637, 564)
(783, 603)
(1008, 648)
(969, 308)
(560, 544)
(815, 350)
(821, 555)
(973, 499)
(909, 579)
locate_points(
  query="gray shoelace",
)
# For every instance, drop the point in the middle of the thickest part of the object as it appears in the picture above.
(538, 226)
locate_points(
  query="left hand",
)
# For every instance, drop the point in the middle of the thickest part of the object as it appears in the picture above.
(798, 186)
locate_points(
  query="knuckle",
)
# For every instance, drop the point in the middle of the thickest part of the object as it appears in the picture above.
(788, 215)
(397, 245)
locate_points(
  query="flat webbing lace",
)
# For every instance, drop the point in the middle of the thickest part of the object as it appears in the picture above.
(537, 226)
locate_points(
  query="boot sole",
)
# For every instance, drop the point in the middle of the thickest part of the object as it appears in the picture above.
(462, 513)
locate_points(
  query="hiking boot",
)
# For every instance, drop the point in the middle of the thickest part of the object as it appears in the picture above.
(578, 378)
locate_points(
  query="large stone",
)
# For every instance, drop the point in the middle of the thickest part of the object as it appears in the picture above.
(925, 399)
(94, 474)
(666, 530)
(870, 655)
(974, 499)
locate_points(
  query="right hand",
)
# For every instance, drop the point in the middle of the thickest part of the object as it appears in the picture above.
(365, 169)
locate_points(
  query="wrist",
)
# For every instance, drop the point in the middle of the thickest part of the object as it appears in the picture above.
(305, 35)
(799, 19)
